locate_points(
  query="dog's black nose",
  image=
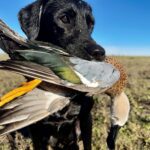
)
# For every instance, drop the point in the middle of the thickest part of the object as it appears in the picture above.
(96, 51)
(99, 54)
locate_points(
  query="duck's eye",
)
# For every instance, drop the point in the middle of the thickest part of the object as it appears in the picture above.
(65, 19)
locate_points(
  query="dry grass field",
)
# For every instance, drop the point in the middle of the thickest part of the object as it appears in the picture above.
(135, 135)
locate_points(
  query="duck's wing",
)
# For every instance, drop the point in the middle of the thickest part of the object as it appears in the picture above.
(89, 75)
(36, 71)
(90, 80)
(30, 108)
(36, 104)
(31, 70)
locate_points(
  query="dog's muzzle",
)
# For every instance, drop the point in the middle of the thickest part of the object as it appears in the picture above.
(95, 51)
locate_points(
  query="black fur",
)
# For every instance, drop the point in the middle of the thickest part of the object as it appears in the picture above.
(68, 24)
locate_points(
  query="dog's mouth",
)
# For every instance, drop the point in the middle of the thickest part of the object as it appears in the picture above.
(88, 51)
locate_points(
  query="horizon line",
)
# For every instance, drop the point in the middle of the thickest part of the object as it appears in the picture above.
(120, 55)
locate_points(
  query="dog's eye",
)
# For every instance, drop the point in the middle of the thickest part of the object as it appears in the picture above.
(65, 19)
(90, 22)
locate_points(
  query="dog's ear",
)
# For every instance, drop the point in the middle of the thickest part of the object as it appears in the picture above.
(29, 18)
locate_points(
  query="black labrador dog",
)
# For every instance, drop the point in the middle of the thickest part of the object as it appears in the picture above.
(67, 24)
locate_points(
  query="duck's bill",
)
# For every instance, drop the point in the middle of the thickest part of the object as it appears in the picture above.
(112, 135)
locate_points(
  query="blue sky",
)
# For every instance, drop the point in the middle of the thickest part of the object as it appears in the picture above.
(122, 26)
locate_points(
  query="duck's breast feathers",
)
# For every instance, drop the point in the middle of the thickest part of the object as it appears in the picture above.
(96, 74)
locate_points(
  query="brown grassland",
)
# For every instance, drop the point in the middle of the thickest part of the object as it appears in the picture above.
(135, 135)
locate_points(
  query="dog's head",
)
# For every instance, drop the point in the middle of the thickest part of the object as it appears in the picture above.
(66, 23)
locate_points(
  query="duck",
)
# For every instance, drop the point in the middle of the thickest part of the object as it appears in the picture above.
(49, 79)
(44, 71)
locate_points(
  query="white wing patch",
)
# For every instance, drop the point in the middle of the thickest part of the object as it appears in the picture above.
(87, 83)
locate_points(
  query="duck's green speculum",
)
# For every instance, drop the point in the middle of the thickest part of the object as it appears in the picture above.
(54, 62)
